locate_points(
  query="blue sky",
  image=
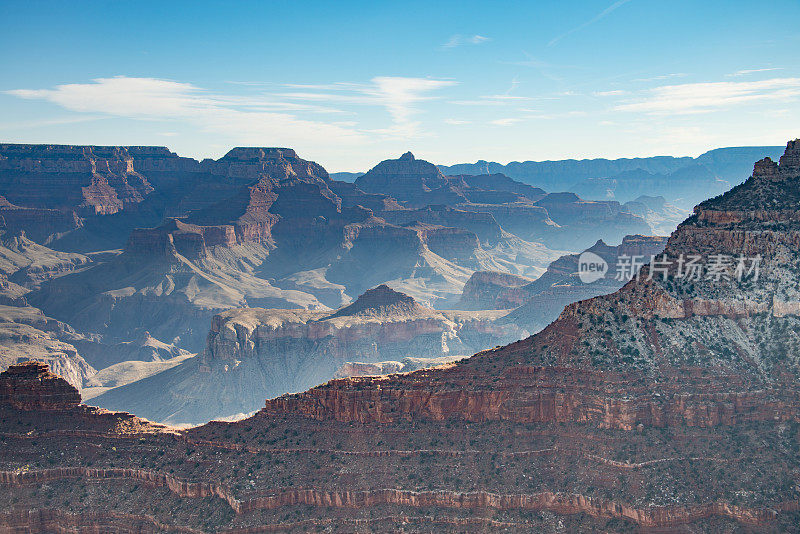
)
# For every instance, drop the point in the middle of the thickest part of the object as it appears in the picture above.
(348, 84)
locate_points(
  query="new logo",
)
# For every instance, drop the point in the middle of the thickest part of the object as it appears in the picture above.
(591, 267)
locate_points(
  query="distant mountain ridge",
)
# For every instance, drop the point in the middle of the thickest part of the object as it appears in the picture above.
(721, 168)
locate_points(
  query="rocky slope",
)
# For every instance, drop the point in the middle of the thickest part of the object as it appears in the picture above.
(671, 404)
(26, 333)
(255, 353)
(28, 264)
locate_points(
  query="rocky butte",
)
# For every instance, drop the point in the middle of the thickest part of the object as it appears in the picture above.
(256, 353)
(669, 405)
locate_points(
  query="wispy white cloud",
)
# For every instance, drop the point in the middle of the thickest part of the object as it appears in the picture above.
(745, 72)
(456, 122)
(493, 100)
(400, 96)
(616, 92)
(530, 61)
(532, 114)
(607, 11)
(506, 121)
(267, 115)
(459, 40)
(525, 115)
(711, 96)
(59, 121)
(661, 77)
(259, 119)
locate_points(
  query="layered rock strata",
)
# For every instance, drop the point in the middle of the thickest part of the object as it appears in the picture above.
(255, 353)
(671, 404)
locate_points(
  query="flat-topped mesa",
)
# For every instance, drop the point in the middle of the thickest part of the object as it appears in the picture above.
(57, 158)
(404, 178)
(88, 179)
(31, 386)
(381, 301)
(260, 163)
(176, 236)
(241, 153)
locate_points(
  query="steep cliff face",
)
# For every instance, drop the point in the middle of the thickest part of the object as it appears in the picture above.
(255, 353)
(31, 386)
(38, 223)
(88, 180)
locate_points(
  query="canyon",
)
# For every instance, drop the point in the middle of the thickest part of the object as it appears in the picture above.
(670, 404)
(119, 258)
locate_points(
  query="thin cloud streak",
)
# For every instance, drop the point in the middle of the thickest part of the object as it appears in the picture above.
(745, 72)
(706, 97)
(460, 40)
(398, 95)
(661, 77)
(607, 11)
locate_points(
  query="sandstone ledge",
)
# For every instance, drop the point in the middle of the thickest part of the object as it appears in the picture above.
(559, 503)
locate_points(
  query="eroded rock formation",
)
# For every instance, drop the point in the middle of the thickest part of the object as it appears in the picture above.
(256, 353)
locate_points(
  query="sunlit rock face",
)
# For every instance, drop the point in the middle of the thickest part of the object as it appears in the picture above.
(31, 386)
